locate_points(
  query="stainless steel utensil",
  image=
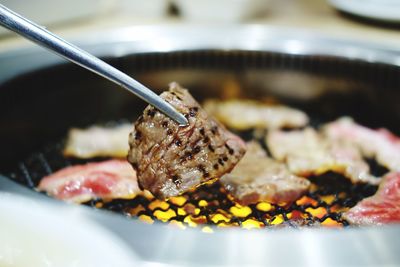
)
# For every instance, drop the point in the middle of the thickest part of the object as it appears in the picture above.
(26, 28)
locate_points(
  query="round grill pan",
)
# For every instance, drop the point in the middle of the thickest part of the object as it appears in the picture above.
(329, 78)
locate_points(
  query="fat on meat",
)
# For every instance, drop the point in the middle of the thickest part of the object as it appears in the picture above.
(242, 114)
(258, 177)
(98, 141)
(380, 144)
(80, 183)
(306, 153)
(381, 208)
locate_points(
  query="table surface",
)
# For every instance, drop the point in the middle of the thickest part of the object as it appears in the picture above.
(311, 15)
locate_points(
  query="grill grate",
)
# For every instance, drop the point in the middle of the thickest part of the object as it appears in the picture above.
(331, 194)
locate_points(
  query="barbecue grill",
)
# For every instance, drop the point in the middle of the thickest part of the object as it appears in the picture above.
(326, 78)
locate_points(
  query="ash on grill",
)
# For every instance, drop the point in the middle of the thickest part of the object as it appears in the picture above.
(330, 195)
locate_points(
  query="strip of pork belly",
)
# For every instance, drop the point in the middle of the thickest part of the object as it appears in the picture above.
(171, 159)
(308, 153)
(97, 141)
(381, 208)
(246, 114)
(108, 180)
(259, 178)
(380, 144)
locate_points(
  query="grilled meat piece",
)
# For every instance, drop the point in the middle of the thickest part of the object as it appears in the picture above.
(381, 208)
(308, 153)
(259, 178)
(380, 144)
(171, 159)
(108, 180)
(246, 114)
(97, 141)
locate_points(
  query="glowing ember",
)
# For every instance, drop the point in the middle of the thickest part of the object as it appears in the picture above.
(306, 200)
(189, 221)
(331, 223)
(203, 203)
(318, 212)
(179, 201)
(251, 223)
(240, 211)
(146, 219)
(210, 205)
(219, 218)
(136, 210)
(277, 220)
(328, 199)
(158, 204)
(181, 211)
(264, 206)
(207, 229)
(164, 215)
(177, 224)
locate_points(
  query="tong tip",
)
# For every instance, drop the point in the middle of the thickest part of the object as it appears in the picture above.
(179, 118)
(171, 112)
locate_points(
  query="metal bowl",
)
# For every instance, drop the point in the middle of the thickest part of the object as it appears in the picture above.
(41, 97)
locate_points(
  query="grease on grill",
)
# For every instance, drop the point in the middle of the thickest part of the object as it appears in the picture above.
(330, 196)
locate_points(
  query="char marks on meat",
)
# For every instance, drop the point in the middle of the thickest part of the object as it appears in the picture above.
(97, 141)
(259, 178)
(108, 180)
(381, 208)
(246, 114)
(171, 159)
(308, 153)
(380, 144)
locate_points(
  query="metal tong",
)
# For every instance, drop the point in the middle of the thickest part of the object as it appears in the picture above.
(26, 28)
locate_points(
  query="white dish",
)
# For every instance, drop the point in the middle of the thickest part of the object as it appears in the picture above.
(50, 12)
(40, 234)
(221, 10)
(148, 9)
(383, 10)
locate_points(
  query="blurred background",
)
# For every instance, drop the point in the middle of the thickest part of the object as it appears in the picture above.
(31, 118)
(371, 20)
